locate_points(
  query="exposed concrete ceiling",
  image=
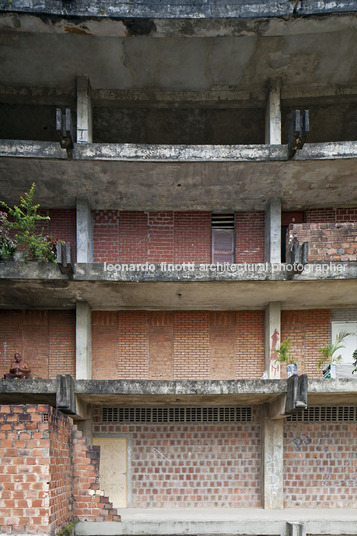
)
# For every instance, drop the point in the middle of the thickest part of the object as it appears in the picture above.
(45, 52)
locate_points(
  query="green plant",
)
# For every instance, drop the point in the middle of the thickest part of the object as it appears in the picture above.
(354, 356)
(68, 529)
(328, 356)
(283, 352)
(25, 222)
(7, 245)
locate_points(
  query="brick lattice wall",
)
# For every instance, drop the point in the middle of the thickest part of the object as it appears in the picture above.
(46, 340)
(192, 465)
(178, 345)
(47, 476)
(308, 330)
(320, 469)
(172, 237)
(327, 241)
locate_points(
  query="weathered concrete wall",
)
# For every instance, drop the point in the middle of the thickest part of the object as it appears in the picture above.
(179, 9)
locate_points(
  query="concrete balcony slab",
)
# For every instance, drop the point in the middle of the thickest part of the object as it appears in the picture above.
(156, 287)
(175, 177)
(177, 393)
(223, 521)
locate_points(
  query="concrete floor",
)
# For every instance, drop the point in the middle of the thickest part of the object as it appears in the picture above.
(221, 521)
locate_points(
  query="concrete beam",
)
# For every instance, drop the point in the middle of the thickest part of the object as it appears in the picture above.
(273, 231)
(273, 462)
(83, 341)
(272, 339)
(273, 114)
(84, 111)
(84, 232)
(277, 408)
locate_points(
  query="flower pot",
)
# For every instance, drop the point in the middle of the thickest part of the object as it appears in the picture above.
(329, 371)
(291, 370)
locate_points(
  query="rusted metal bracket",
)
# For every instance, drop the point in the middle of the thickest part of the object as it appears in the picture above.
(299, 128)
(64, 129)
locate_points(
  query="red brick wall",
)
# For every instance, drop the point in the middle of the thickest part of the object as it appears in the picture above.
(47, 475)
(250, 236)
(193, 465)
(46, 340)
(178, 345)
(133, 237)
(308, 331)
(333, 215)
(327, 241)
(320, 469)
(59, 430)
(178, 237)
(62, 225)
(105, 235)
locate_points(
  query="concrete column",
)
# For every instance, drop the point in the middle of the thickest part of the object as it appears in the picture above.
(272, 339)
(84, 232)
(273, 462)
(83, 341)
(84, 111)
(273, 230)
(273, 114)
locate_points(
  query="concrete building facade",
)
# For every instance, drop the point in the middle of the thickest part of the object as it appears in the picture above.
(205, 231)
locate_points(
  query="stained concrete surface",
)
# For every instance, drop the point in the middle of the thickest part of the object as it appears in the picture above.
(171, 177)
(223, 521)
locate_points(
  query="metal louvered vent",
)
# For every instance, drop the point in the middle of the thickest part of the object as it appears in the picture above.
(170, 415)
(222, 221)
(326, 414)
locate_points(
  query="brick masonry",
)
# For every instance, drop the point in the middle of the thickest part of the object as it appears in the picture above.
(308, 331)
(320, 465)
(250, 236)
(46, 340)
(62, 226)
(332, 215)
(47, 476)
(178, 345)
(192, 465)
(328, 241)
(172, 237)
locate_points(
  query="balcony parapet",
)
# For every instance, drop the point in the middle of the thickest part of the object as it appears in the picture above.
(249, 392)
(180, 272)
(176, 153)
(36, 286)
(178, 9)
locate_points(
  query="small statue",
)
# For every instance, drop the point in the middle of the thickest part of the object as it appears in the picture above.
(19, 369)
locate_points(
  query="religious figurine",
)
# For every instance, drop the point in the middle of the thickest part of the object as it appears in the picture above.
(19, 369)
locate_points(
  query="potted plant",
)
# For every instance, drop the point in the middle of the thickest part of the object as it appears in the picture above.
(354, 357)
(25, 221)
(329, 357)
(284, 356)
